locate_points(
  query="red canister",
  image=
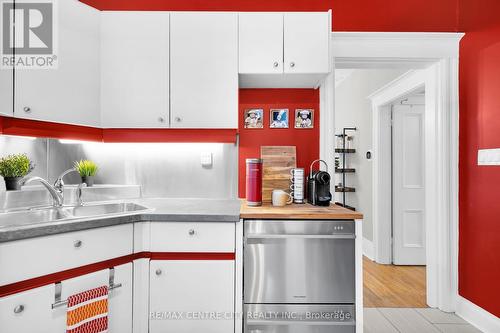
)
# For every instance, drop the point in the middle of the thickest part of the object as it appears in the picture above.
(254, 182)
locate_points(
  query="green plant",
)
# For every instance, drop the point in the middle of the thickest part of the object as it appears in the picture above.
(86, 168)
(17, 165)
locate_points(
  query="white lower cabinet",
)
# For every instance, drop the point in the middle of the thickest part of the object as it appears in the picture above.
(31, 311)
(191, 296)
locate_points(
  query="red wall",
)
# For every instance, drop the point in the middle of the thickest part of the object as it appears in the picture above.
(349, 15)
(306, 140)
(479, 103)
(479, 187)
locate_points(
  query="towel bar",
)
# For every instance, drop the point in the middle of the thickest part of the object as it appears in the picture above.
(65, 302)
(58, 302)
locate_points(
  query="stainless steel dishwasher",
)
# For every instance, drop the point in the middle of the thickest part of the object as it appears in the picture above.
(299, 276)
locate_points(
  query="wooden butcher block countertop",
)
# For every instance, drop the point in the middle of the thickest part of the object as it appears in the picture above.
(297, 211)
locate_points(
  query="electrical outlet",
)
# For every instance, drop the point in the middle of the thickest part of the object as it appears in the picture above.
(488, 156)
(206, 159)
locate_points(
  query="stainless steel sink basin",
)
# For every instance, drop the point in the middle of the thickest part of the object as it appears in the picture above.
(53, 214)
(32, 216)
(104, 209)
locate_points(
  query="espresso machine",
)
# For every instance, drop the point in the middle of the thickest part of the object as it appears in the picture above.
(318, 186)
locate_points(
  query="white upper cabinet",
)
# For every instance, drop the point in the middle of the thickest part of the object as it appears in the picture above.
(70, 93)
(135, 69)
(306, 43)
(261, 43)
(203, 70)
(6, 92)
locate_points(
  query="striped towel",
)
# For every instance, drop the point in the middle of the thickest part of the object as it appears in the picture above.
(88, 311)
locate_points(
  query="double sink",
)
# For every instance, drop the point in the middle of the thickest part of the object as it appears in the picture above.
(55, 214)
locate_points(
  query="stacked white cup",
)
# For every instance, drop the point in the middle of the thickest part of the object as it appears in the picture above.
(297, 184)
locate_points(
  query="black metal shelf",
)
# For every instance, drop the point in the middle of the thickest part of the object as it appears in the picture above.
(344, 170)
(344, 189)
(348, 170)
(345, 150)
(345, 206)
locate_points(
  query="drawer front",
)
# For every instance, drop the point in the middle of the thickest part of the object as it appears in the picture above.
(29, 258)
(192, 237)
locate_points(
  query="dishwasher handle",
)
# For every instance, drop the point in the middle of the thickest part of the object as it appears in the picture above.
(298, 236)
(298, 322)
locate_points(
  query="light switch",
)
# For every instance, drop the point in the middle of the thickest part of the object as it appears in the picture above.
(488, 156)
(206, 159)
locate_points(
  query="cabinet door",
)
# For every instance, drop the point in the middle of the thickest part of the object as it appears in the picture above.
(260, 43)
(120, 301)
(70, 93)
(189, 288)
(135, 69)
(29, 311)
(306, 43)
(6, 92)
(204, 70)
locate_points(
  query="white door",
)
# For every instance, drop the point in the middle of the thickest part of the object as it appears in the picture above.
(190, 288)
(408, 185)
(6, 92)
(70, 93)
(261, 43)
(135, 69)
(204, 70)
(306, 43)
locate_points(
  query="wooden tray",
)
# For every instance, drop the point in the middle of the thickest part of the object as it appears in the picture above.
(277, 163)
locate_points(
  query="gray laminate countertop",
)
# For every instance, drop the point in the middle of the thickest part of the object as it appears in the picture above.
(159, 210)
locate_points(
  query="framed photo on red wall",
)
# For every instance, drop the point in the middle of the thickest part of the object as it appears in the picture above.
(304, 118)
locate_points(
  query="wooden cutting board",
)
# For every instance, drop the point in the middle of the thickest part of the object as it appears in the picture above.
(277, 163)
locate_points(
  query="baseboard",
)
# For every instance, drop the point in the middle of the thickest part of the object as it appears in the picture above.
(477, 316)
(368, 250)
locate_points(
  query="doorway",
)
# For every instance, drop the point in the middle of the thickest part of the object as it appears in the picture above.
(400, 281)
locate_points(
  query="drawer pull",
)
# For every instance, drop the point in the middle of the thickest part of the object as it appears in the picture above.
(77, 244)
(158, 272)
(19, 308)
(191, 232)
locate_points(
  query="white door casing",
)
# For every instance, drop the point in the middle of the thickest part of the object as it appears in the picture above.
(419, 50)
(408, 172)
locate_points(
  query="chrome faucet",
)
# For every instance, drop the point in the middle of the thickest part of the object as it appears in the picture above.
(79, 194)
(57, 197)
(59, 183)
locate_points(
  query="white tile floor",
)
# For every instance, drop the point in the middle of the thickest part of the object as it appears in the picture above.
(405, 320)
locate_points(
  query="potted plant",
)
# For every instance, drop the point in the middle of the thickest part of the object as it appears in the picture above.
(87, 170)
(13, 168)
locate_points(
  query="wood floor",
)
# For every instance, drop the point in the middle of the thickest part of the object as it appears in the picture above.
(389, 286)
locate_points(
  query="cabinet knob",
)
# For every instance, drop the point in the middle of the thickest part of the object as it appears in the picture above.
(292, 64)
(161, 119)
(158, 272)
(27, 109)
(19, 308)
(77, 244)
(191, 232)
(276, 64)
(178, 119)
